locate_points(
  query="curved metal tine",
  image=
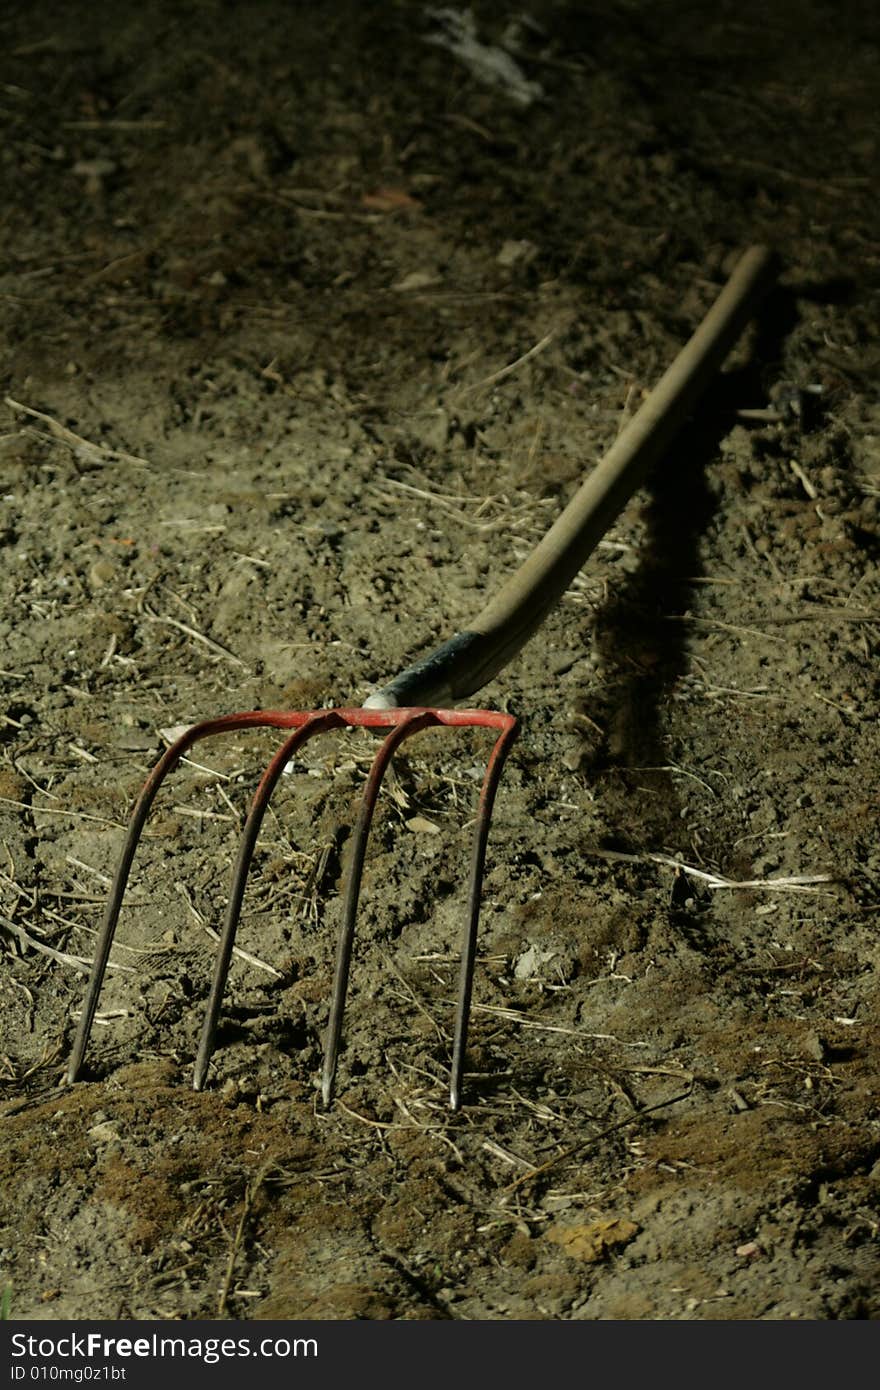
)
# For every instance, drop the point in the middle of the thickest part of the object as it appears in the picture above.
(317, 723)
(411, 724)
(169, 760)
(469, 936)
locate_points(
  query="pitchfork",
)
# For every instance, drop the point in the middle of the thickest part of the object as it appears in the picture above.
(418, 697)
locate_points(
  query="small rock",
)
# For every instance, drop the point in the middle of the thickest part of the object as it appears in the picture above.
(420, 825)
(104, 1133)
(101, 573)
(750, 1250)
(434, 433)
(815, 1047)
(516, 252)
(530, 962)
(416, 280)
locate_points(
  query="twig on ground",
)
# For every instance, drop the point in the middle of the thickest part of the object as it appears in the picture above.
(79, 963)
(195, 634)
(442, 1035)
(250, 1196)
(76, 441)
(236, 950)
(793, 883)
(511, 366)
(58, 811)
(593, 1139)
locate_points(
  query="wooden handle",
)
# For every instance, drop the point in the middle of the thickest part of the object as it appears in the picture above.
(469, 660)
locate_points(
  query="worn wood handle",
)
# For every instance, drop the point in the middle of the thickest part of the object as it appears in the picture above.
(471, 658)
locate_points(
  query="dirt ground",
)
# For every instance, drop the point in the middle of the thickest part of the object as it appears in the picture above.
(309, 328)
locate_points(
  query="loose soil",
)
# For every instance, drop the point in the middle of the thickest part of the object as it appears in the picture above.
(308, 332)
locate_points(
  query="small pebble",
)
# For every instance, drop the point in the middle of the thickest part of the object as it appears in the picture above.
(101, 573)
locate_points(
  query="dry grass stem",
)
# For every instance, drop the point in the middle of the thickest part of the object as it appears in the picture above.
(490, 1147)
(793, 883)
(250, 1197)
(197, 636)
(79, 963)
(57, 811)
(579, 1148)
(89, 869)
(215, 936)
(365, 1119)
(76, 441)
(802, 478)
(492, 513)
(682, 772)
(411, 994)
(737, 629)
(511, 367)
(514, 1016)
(113, 123)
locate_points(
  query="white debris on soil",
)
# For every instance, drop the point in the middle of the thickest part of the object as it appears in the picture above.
(487, 62)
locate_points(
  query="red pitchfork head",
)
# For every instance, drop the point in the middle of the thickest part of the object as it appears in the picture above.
(401, 724)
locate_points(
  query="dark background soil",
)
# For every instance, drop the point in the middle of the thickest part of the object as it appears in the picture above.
(261, 268)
